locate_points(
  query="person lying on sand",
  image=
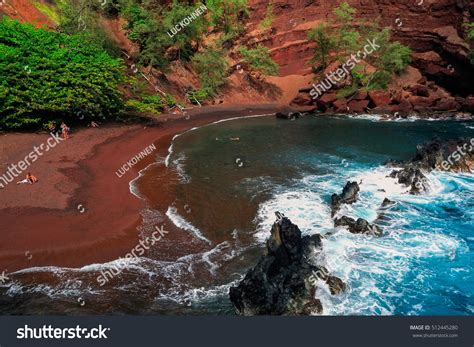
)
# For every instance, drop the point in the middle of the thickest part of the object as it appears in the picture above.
(30, 179)
(94, 124)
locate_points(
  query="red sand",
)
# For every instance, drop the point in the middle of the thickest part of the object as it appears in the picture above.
(42, 225)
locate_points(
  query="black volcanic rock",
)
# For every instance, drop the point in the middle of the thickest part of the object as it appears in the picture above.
(283, 280)
(359, 226)
(288, 115)
(387, 203)
(349, 195)
(413, 178)
(445, 155)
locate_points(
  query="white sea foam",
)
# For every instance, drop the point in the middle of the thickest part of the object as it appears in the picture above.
(133, 184)
(182, 223)
(305, 208)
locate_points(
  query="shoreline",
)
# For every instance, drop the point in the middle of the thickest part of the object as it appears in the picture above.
(67, 219)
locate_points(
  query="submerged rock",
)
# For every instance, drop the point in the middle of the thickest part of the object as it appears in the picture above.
(284, 279)
(288, 115)
(359, 226)
(386, 203)
(349, 195)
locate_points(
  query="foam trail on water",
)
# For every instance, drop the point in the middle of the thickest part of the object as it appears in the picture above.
(182, 223)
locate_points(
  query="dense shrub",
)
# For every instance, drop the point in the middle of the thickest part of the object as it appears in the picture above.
(45, 75)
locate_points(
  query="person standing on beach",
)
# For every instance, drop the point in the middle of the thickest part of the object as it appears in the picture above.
(64, 131)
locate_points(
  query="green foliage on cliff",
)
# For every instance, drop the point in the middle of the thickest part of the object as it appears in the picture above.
(47, 75)
(339, 40)
(227, 15)
(268, 20)
(148, 104)
(157, 29)
(211, 67)
(83, 18)
(470, 34)
(325, 44)
(259, 59)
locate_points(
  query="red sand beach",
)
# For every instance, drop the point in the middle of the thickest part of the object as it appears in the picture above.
(42, 224)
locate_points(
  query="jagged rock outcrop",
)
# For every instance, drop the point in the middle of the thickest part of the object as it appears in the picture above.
(359, 226)
(284, 279)
(349, 195)
(386, 203)
(384, 207)
(445, 155)
(411, 177)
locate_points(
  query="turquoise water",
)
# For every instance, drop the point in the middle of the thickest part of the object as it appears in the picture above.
(236, 174)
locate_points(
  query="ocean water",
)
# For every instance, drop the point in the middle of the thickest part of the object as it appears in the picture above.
(230, 179)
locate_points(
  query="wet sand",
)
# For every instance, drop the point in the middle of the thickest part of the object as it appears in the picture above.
(81, 212)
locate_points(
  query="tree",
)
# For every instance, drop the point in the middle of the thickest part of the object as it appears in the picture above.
(340, 40)
(347, 39)
(324, 44)
(82, 17)
(259, 59)
(48, 75)
(227, 15)
(190, 33)
(211, 67)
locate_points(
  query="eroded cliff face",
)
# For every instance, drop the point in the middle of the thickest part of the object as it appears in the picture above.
(26, 11)
(433, 29)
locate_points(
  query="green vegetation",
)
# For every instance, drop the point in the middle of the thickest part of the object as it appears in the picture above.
(325, 44)
(149, 104)
(470, 34)
(211, 67)
(48, 10)
(46, 75)
(339, 40)
(197, 97)
(227, 15)
(76, 70)
(347, 39)
(82, 18)
(152, 27)
(259, 59)
(268, 20)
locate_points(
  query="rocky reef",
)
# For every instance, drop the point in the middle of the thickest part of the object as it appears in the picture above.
(349, 195)
(455, 155)
(284, 280)
(359, 226)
